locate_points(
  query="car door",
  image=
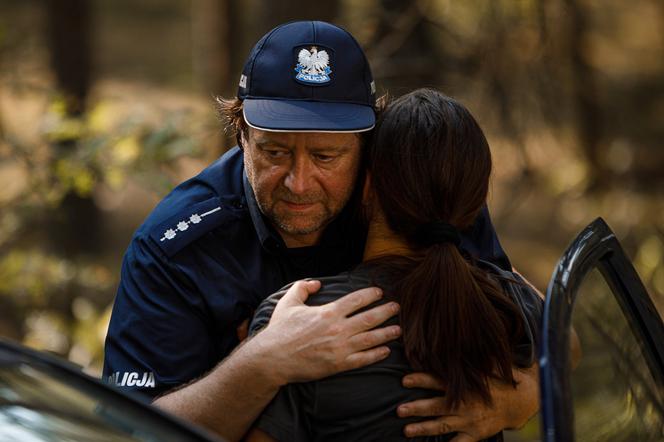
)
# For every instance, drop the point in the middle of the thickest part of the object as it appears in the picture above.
(44, 399)
(616, 390)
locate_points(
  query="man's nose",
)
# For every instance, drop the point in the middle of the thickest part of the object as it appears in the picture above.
(299, 177)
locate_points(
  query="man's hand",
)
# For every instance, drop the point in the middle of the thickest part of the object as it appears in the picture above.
(303, 343)
(473, 420)
(300, 343)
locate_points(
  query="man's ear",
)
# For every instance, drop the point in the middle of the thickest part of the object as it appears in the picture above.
(241, 137)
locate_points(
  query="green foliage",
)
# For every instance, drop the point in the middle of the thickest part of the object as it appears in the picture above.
(569, 94)
(59, 300)
(93, 149)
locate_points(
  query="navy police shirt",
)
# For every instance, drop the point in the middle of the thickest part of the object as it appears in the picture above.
(201, 263)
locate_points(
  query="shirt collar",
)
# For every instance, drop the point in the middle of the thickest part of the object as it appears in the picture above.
(267, 235)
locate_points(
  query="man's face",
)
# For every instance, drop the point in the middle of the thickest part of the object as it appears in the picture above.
(301, 180)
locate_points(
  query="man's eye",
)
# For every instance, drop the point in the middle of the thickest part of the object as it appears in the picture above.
(276, 154)
(324, 158)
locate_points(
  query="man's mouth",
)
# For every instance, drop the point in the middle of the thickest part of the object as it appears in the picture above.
(298, 206)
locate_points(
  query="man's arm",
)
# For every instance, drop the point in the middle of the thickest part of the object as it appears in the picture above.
(473, 420)
(575, 342)
(300, 343)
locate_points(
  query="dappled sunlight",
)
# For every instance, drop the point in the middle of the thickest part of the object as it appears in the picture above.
(574, 126)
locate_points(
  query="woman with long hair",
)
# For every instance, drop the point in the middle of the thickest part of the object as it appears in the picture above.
(466, 321)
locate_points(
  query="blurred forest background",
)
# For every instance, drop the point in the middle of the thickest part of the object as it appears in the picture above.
(105, 105)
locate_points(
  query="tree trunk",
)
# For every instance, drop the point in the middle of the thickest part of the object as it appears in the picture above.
(585, 96)
(70, 47)
(400, 53)
(74, 227)
(272, 13)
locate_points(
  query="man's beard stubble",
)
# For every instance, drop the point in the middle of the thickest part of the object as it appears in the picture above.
(318, 220)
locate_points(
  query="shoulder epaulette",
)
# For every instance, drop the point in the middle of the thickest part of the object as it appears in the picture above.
(190, 223)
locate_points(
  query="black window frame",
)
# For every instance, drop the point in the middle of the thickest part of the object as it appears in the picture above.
(595, 247)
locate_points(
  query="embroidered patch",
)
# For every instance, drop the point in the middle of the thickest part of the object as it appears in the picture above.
(183, 225)
(132, 379)
(313, 66)
(190, 223)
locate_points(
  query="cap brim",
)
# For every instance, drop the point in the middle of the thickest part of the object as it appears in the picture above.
(307, 116)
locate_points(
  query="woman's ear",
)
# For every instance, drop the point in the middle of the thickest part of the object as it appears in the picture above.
(367, 193)
(367, 199)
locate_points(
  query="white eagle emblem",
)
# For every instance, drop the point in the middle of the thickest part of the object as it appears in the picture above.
(313, 66)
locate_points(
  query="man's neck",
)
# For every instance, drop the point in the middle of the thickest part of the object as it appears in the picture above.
(295, 241)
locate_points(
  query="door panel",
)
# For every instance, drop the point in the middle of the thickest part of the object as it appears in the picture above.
(615, 397)
(616, 391)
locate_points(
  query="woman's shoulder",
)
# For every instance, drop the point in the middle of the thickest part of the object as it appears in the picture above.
(510, 281)
(332, 288)
(335, 287)
(529, 302)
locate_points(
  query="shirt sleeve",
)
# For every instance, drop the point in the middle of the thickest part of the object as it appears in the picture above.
(158, 336)
(481, 241)
(287, 417)
(531, 306)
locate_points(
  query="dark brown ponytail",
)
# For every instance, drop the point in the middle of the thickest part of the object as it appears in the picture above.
(430, 165)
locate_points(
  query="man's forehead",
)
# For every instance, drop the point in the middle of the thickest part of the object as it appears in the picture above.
(313, 139)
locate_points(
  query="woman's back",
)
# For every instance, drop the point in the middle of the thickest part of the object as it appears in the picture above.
(360, 405)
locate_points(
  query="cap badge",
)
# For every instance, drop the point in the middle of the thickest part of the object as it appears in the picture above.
(313, 66)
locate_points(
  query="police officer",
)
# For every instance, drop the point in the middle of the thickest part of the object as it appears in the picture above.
(279, 208)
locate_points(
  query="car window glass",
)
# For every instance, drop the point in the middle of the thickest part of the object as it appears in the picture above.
(528, 433)
(38, 404)
(614, 395)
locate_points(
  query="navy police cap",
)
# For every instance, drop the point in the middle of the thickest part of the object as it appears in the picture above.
(308, 76)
